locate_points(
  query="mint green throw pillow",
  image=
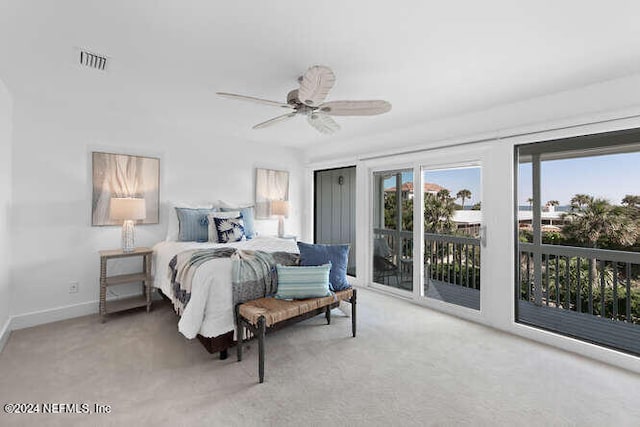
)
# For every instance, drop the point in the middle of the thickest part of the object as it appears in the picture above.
(303, 282)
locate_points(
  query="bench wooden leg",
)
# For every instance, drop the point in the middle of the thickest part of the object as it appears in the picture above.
(261, 333)
(353, 313)
(240, 334)
(327, 314)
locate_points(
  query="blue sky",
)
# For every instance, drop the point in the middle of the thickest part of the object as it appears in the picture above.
(455, 180)
(611, 177)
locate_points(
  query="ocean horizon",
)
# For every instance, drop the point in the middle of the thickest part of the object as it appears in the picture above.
(564, 208)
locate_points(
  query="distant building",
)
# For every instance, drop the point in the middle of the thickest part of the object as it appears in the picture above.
(468, 221)
(407, 189)
(550, 220)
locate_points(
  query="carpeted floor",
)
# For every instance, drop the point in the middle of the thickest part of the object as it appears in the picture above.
(408, 366)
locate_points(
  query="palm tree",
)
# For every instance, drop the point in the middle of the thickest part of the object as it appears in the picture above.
(530, 201)
(631, 201)
(438, 212)
(632, 206)
(580, 200)
(596, 220)
(550, 205)
(592, 222)
(463, 195)
(438, 219)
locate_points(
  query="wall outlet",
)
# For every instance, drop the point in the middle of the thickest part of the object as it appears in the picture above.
(74, 287)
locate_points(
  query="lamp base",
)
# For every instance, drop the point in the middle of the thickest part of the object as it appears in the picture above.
(281, 226)
(128, 239)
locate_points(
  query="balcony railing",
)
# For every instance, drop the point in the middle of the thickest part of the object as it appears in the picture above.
(595, 281)
(453, 259)
(393, 258)
(588, 293)
(451, 265)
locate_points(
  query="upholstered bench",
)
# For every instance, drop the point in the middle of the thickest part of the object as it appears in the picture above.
(267, 314)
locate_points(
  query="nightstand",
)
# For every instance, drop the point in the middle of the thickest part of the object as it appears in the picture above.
(290, 237)
(144, 276)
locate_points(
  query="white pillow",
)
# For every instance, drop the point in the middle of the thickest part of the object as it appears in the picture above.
(174, 226)
(213, 233)
(227, 205)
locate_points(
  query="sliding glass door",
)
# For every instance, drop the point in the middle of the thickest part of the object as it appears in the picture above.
(443, 248)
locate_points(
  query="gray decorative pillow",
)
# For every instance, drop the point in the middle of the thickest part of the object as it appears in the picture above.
(230, 229)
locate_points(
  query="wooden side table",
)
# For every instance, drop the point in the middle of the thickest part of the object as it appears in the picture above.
(144, 276)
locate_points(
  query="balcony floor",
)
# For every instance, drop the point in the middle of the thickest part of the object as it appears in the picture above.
(408, 366)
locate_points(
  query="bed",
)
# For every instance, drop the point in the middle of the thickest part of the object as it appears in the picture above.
(209, 315)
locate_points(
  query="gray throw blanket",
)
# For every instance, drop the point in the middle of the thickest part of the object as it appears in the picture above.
(253, 272)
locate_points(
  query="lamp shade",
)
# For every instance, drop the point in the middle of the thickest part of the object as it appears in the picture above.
(128, 208)
(280, 207)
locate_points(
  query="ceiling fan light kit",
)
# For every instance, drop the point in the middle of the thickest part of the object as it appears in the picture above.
(308, 100)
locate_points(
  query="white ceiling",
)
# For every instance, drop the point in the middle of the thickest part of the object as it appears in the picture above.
(430, 59)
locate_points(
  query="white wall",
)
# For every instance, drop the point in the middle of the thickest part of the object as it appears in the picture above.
(53, 242)
(5, 207)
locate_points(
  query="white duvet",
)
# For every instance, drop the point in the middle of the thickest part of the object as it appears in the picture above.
(210, 309)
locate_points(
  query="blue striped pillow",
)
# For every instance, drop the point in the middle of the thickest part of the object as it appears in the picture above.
(193, 224)
(303, 282)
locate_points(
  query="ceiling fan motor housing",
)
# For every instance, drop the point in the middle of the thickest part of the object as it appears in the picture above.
(301, 108)
(292, 97)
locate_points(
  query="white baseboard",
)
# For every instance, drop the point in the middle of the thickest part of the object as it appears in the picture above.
(5, 332)
(41, 317)
(36, 318)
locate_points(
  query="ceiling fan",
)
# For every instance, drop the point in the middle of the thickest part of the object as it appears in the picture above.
(308, 100)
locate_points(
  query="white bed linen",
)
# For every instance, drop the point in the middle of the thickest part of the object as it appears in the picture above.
(210, 309)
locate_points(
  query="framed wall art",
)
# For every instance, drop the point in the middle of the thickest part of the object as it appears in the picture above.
(124, 176)
(271, 185)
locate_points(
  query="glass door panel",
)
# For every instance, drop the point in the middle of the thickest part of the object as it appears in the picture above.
(393, 229)
(452, 223)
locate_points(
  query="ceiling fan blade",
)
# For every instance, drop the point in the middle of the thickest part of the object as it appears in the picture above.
(252, 99)
(275, 120)
(355, 108)
(323, 123)
(315, 85)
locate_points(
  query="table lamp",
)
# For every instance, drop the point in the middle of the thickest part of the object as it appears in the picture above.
(281, 209)
(128, 209)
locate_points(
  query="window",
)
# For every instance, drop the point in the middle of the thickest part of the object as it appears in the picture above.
(578, 230)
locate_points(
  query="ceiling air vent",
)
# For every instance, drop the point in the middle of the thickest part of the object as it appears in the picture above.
(93, 60)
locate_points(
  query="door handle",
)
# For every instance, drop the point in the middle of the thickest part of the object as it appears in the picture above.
(483, 236)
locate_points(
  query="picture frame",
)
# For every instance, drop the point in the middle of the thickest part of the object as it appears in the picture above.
(271, 184)
(123, 175)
